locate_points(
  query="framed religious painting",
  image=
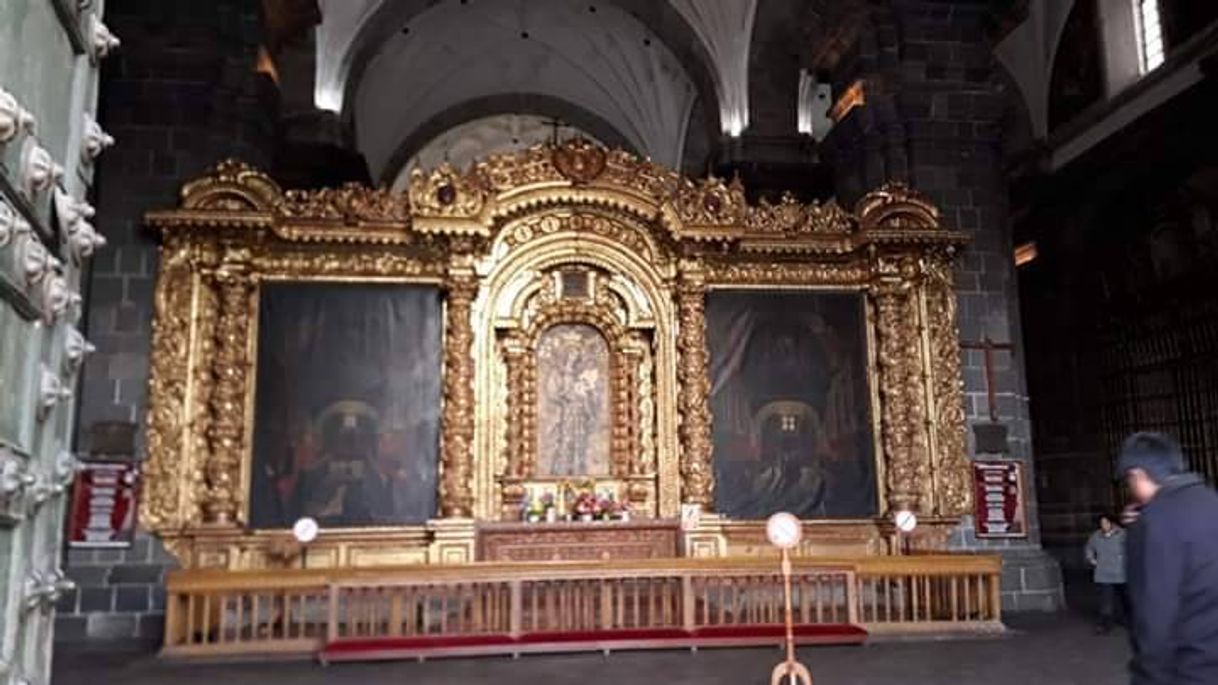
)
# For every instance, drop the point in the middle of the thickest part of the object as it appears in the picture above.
(791, 404)
(347, 404)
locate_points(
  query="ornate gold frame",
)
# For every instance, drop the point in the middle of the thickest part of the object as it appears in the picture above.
(490, 237)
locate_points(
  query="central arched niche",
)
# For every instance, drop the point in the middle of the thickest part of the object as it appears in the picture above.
(580, 287)
(574, 402)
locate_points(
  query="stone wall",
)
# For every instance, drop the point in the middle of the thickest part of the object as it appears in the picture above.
(934, 116)
(180, 95)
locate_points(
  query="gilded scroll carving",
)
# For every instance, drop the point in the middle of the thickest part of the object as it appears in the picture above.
(953, 477)
(226, 434)
(786, 273)
(420, 265)
(891, 304)
(350, 203)
(163, 506)
(456, 445)
(902, 384)
(697, 476)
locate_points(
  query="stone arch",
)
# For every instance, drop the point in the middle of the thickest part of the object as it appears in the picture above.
(661, 66)
(389, 17)
(578, 117)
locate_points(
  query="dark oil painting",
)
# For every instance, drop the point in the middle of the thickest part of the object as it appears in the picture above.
(347, 404)
(790, 403)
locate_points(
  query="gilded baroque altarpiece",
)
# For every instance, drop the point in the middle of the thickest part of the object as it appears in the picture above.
(575, 236)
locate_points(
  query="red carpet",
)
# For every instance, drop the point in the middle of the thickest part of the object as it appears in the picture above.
(371, 649)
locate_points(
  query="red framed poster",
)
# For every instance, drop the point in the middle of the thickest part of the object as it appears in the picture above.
(999, 500)
(104, 503)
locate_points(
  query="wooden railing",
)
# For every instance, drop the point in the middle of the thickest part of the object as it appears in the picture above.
(223, 613)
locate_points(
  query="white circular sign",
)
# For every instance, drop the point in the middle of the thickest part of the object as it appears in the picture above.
(783, 530)
(305, 530)
(906, 521)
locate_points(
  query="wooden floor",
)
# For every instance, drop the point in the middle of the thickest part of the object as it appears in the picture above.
(1043, 650)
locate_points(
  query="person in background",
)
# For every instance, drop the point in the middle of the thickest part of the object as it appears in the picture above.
(1172, 565)
(1105, 553)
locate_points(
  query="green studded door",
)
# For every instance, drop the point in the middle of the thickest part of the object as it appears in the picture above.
(49, 58)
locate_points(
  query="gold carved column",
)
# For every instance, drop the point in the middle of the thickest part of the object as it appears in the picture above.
(902, 388)
(697, 476)
(230, 370)
(521, 448)
(456, 449)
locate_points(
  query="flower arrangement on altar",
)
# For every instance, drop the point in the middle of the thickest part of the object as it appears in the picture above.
(581, 501)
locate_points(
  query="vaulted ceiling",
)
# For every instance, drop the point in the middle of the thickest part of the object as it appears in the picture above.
(651, 75)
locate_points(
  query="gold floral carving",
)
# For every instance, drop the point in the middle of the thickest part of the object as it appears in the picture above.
(891, 304)
(792, 218)
(350, 204)
(443, 192)
(349, 264)
(897, 298)
(163, 506)
(953, 474)
(693, 374)
(735, 272)
(457, 440)
(711, 202)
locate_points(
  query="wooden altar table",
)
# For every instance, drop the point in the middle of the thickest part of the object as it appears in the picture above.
(579, 540)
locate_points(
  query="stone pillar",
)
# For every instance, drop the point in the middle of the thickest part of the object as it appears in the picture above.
(933, 104)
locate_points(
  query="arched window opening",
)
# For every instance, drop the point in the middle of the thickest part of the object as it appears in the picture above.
(1150, 34)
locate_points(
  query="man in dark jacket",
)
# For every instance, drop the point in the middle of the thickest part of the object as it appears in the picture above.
(1172, 556)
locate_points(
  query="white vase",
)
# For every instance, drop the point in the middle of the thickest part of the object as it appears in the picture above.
(551, 515)
(585, 517)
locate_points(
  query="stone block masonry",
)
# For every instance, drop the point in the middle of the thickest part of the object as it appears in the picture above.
(119, 594)
(934, 116)
(181, 95)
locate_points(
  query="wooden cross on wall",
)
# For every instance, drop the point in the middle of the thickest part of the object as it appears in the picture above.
(989, 347)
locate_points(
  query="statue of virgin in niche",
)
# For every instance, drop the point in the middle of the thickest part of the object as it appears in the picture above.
(573, 401)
